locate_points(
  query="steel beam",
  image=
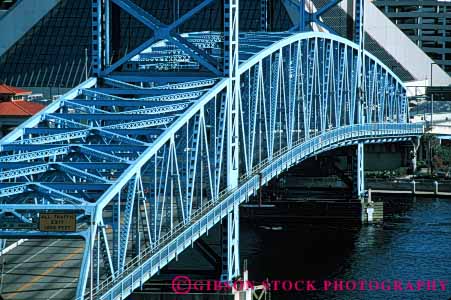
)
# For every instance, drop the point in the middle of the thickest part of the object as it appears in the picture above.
(231, 254)
(360, 171)
(231, 65)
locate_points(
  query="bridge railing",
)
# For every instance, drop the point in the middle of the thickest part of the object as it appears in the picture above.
(169, 237)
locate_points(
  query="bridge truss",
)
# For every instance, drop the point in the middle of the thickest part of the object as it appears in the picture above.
(167, 141)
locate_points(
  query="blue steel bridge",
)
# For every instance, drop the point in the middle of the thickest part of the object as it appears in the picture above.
(161, 145)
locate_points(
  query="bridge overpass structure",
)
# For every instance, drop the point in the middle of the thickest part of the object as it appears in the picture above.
(159, 146)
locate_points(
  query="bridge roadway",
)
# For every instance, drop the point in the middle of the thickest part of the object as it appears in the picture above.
(42, 269)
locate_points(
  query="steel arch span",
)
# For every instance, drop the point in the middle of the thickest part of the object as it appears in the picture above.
(147, 170)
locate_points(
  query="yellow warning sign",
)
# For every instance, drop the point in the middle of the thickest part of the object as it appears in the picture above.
(58, 222)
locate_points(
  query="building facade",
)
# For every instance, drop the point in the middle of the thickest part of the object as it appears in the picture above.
(426, 22)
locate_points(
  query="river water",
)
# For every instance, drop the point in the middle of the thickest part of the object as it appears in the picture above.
(413, 244)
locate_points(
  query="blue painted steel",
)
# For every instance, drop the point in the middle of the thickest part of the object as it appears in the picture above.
(96, 33)
(162, 32)
(231, 70)
(360, 168)
(303, 16)
(359, 14)
(306, 17)
(263, 15)
(149, 163)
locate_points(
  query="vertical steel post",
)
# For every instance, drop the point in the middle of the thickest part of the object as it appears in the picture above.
(86, 64)
(224, 251)
(359, 21)
(107, 33)
(432, 110)
(231, 35)
(96, 31)
(2, 246)
(360, 39)
(231, 61)
(263, 15)
(360, 171)
(230, 245)
(302, 15)
(85, 269)
(116, 225)
(234, 241)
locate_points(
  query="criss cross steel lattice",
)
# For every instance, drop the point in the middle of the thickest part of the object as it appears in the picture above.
(150, 158)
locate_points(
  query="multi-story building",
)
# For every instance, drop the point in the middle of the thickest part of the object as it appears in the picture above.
(426, 22)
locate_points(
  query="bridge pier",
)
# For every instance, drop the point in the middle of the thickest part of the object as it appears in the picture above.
(370, 211)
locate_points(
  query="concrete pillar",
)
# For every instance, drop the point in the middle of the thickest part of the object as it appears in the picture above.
(372, 212)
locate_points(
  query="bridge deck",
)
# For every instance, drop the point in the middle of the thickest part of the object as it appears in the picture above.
(42, 269)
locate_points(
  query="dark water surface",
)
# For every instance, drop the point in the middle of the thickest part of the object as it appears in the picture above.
(413, 243)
